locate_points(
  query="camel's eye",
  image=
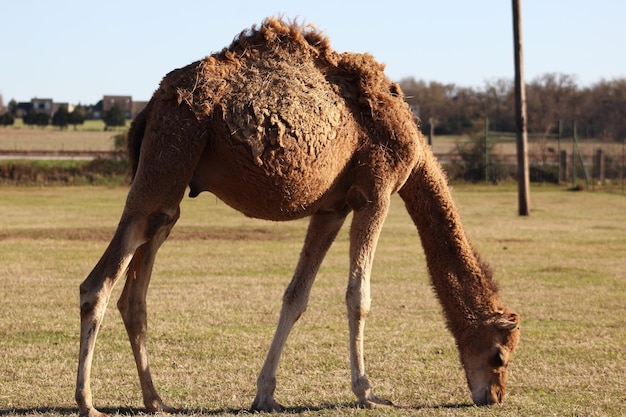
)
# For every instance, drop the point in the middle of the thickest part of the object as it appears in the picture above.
(499, 359)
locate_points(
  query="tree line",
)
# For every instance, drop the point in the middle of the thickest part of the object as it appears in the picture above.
(62, 118)
(599, 110)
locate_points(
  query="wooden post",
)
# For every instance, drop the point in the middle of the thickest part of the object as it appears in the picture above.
(563, 174)
(431, 130)
(574, 176)
(560, 175)
(621, 173)
(486, 150)
(598, 165)
(575, 151)
(523, 173)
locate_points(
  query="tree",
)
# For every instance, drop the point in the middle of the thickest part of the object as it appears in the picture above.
(498, 100)
(77, 116)
(13, 107)
(435, 103)
(114, 117)
(120, 145)
(478, 162)
(606, 110)
(6, 119)
(551, 98)
(36, 119)
(61, 118)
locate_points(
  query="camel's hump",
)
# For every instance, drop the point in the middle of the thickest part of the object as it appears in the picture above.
(278, 33)
(282, 83)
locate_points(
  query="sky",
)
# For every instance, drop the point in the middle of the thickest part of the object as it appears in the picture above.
(78, 51)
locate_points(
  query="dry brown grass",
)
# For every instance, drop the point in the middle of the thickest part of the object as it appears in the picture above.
(216, 292)
(35, 139)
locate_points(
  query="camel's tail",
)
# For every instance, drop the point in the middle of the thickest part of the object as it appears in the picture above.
(135, 137)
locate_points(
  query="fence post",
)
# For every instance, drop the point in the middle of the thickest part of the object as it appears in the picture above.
(580, 157)
(598, 165)
(574, 179)
(486, 149)
(623, 162)
(563, 174)
(431, 130)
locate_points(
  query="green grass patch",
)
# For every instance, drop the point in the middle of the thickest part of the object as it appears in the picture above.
(216, 292)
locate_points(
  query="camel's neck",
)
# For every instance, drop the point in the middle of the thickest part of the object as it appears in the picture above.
(461, 280)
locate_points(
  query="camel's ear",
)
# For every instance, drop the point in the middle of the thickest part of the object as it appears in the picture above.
(508, 323)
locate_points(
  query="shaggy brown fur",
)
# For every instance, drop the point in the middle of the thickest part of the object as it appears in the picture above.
(280, 126)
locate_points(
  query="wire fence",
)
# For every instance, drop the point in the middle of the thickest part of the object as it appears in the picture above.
(552, 158)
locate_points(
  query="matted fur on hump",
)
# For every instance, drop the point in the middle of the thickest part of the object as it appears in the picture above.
(279, 98)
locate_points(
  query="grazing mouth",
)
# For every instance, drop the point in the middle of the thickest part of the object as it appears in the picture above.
(487, 397)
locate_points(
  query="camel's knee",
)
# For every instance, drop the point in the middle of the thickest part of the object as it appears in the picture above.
(146, 215)
(160, 220)
(93, 299)
(357, 303)
(358, 312)
(87, 308)
(93, 306)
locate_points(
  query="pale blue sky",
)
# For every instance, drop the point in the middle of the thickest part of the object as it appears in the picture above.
(76, 51)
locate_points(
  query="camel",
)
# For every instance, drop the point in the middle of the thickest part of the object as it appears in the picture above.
(280, 126)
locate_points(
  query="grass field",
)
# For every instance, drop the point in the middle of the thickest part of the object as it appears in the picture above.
(215, 298)
(89, 136)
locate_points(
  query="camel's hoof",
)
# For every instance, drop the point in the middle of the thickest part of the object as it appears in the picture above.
(92, 412)
(162, 408)
(266, 404)
(375, 402)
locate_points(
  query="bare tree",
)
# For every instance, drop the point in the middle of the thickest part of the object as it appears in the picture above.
(551, 97)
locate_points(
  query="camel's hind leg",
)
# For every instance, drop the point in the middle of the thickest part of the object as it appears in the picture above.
(321, 233)
(133, 308)
(94, 297)
(364, 232)
(165, 168)
(138, 235)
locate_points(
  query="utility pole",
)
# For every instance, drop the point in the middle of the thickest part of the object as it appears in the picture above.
(523, 176)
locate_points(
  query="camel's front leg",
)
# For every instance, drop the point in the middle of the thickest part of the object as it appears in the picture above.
(321, 233)
(366, 226)
(133, 308)
(94, 297)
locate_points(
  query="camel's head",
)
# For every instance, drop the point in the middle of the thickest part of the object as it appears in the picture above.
(486, 357)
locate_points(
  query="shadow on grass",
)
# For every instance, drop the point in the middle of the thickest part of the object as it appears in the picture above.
(132, 411)
(37, 410)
